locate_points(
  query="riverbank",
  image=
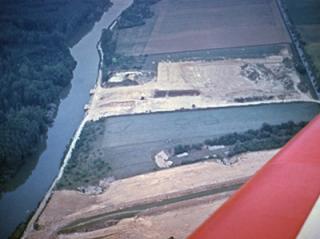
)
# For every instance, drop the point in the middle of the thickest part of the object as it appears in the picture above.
(46, 198)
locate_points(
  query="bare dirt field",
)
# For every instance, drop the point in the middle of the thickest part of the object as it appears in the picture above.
(176, 221)
(232, 80)
(201, 84)
(186, 25)
(171, 183)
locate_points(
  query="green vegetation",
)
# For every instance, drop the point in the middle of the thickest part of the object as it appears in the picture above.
(306, 18)
(108, 45)
(136, 14)
(313, 51)
(18, 233)
(303, 12)
(253, 98)
(86, 165)
(35, 66)
(113, 61)
(267, 137)
(20, 132)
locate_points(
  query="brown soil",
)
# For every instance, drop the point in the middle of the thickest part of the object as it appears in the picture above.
(202, 84)
(188, 25)
(66, 207)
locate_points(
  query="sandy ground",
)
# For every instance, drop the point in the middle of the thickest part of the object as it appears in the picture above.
(65, 207)
(177, 221)
(216, 83)
(225, 81)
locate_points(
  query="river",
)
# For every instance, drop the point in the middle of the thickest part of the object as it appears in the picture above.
(16, 206)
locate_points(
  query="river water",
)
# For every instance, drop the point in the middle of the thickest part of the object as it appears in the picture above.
(16, 206)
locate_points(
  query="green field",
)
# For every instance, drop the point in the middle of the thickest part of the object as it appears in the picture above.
(313, 49)
(306, 17)
(304, 12)
(86, 166)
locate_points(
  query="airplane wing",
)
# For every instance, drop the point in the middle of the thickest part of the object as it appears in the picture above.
(280, 202)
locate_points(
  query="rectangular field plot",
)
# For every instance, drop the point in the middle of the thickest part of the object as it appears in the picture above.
(129, 142)
(186, 25)
(125, 146)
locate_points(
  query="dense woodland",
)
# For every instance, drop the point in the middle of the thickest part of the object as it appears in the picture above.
(35, 67)
(136, 14)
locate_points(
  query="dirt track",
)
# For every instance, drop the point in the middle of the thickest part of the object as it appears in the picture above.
(184, 180)
(177, 220)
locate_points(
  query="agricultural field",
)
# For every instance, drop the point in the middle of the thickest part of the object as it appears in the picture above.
(190, 84)
(187, 25)
(184, 76)
(181, 216)
(305, 16)
(235, 80)
(125, 146)
(175, 76)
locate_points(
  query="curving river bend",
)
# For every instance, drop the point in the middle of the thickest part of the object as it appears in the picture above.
(16, 206)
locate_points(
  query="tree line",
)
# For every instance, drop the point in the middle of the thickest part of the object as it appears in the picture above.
(264, 138)
(136, 14)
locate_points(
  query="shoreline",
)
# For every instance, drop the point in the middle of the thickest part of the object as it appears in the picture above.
(45, 200)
